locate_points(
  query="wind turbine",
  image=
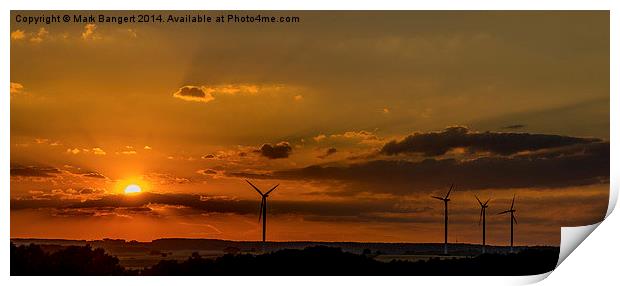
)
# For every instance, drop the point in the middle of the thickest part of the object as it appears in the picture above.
(445, 200)
(513, 220)
(483, 219)
(263, 206)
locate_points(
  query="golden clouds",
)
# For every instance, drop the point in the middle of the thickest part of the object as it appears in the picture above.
(210, 93)
(89, 32)
(16, 88)
(18, 35)
(193, 93)
(362, 136)
(39, 36)
(96, 151)
(319, 137)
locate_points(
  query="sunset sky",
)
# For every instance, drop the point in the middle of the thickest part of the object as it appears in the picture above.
(359, 116)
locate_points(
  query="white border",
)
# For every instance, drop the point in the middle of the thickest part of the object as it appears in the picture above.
(597, 253)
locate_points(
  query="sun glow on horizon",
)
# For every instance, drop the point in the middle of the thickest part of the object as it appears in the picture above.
(132, 185)
(132, 189)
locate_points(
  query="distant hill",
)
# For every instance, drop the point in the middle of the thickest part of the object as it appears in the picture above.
(177, 244)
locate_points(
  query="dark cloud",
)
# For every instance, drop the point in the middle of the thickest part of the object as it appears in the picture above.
(207, 172)
(328, 152)
(438, 143)
(515, 126)
(577, 165)
(193, 93)
(94, 175)
(83, 172)
(277, 151)
(90, 191)
(195, 204)
(34, 171)
(208, 156)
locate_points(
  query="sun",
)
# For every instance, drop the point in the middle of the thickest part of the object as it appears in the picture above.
(132, 185)
(132, 189)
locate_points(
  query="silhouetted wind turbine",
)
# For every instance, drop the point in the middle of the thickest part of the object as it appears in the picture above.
(445, 200)
(263, 206)
(483, 218)
(513, 219)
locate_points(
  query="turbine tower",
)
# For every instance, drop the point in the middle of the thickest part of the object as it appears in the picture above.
(513, 220)
(445, 200)
(263, 206)
(483, 219)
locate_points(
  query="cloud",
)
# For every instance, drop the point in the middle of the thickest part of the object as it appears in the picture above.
(439, 143)
(96, 151)
(210, 93)
(207, 172)
(165, 179)
(277, 151)
(208, 156)
(16, 88)
(34, 171)
(361, 136)
(196, 204)
(319, 137)
(90, 191)
(515, 126)
(577, 165)
(132, 33)
(193, 93)
(73, 151)
(83, 172)
(18, 35)
(328, 152)
(39, 36)
(94, 175)
(89, 32)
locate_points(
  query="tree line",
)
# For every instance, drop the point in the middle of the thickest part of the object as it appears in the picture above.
(316, 260)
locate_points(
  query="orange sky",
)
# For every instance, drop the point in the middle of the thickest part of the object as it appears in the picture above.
(359, 117)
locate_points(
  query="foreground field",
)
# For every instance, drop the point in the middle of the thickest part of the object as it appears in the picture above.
(318, 260)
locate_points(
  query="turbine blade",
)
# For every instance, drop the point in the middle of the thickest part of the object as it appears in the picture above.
(504, 212)
(480, 220)
(513, 202)
(485, 203)
(261, 193)
(478, 200)
(515, 219)
(271, 190)
(450, 190)
(439, 198)
(260, 212)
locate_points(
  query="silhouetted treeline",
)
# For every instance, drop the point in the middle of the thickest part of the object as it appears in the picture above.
(72, 260)
(320, 260)
(317, 260)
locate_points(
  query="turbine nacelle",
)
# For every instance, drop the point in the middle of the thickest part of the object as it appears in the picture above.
(447, 197)
(483, 206)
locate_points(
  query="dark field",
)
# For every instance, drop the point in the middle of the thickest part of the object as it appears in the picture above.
(218, 257)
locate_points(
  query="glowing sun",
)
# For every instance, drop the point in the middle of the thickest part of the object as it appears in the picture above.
(132, 189)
